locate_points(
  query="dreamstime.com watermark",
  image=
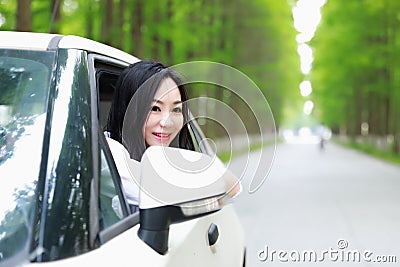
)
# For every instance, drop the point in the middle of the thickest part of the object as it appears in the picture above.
(339, 254)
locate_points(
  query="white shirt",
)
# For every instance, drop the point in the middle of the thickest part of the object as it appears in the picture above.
(129, 182)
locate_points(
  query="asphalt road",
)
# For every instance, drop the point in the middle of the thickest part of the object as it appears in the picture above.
(335, 207)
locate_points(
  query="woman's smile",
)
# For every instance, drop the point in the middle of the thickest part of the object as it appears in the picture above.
(162, 136)
(165, 118)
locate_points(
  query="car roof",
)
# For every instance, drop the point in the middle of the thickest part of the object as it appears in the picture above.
(46, 41)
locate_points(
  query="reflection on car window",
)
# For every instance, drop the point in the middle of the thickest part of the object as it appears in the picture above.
(24, 83)
(110, 209)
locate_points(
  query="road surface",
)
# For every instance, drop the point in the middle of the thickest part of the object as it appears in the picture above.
(335, 207)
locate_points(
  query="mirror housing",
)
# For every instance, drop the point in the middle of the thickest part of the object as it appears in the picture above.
(177, 185)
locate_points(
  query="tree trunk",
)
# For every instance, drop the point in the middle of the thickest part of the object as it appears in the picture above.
(121, 22)
(107, 22)
(24, 16)
(356, 129)
(89, 19)
(136, 30)
(156, 35)
(168, 42)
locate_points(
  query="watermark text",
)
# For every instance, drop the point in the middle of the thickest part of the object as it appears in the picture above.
(341, 253)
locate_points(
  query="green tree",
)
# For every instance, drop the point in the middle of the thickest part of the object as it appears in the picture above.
(355, 67)
(256, 37)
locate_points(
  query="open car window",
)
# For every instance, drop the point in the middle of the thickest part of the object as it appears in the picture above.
(106, 76)
(113, 208)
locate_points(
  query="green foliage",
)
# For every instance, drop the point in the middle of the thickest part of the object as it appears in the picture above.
(356, 68)
(372, 150)
(7, 12)
(256, 37)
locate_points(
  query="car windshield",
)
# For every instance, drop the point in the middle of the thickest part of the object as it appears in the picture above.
(24, 84)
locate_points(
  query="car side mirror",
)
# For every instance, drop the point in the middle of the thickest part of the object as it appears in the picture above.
(177, 185)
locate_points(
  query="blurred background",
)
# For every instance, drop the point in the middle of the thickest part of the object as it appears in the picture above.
(319, 63)
(329, 70)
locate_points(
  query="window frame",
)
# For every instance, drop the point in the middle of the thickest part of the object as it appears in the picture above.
(199, 136)
(97, 64)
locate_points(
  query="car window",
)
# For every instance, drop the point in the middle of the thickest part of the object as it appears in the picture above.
(25, 78)
(200, 142)
(112, 202)
(110, 207)
(106, 79)
(107, 76)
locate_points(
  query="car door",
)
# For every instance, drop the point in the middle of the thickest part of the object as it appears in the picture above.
(212, 240)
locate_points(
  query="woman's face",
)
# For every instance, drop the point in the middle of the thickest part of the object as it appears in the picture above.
(165, 118)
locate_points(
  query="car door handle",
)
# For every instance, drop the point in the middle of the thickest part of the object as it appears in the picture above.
(213, 234)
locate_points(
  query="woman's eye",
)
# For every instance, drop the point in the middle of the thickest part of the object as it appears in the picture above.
(155, 108)
(177, 110)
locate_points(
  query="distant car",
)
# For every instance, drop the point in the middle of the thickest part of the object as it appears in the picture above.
(58, 177)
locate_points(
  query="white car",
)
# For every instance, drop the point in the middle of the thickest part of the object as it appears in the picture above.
(58, 177)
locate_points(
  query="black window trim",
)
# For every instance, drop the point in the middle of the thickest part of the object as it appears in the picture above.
(119, 227)
(200, 137)
(100, 143)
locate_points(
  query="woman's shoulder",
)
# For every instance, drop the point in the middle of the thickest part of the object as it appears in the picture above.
(122, 159)
(117, 149)
(128, 169)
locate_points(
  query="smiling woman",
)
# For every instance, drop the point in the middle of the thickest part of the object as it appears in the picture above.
(148, 109)
(165, 119)
(149, 104)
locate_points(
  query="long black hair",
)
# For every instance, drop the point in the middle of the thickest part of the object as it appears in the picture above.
(131, 106)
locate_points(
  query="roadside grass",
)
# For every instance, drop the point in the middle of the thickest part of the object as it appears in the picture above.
(372, 151)
(226, 156)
